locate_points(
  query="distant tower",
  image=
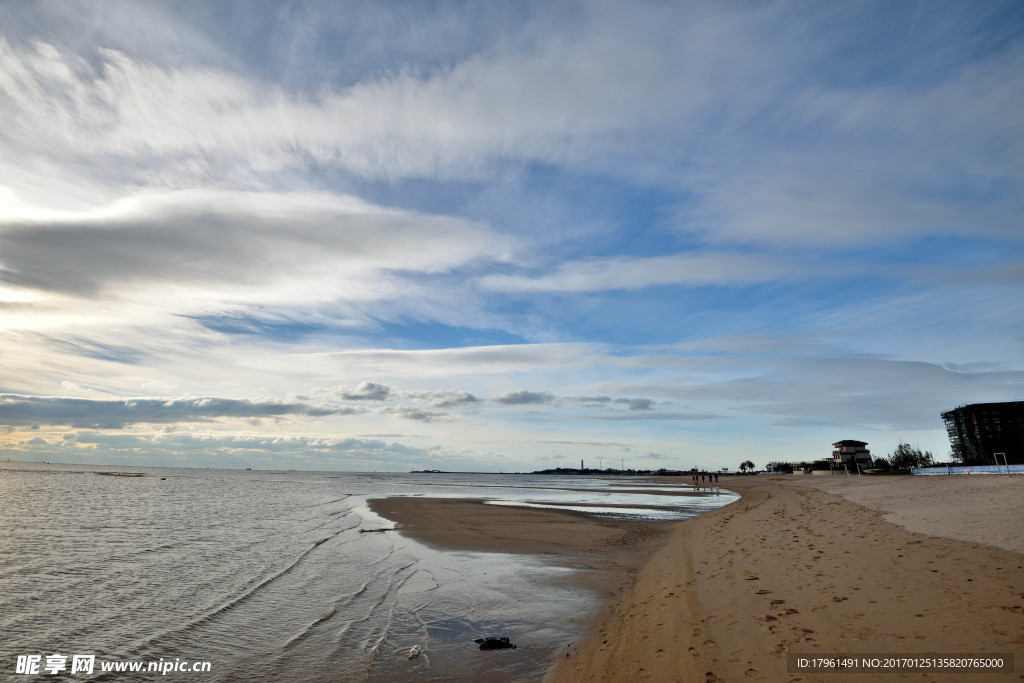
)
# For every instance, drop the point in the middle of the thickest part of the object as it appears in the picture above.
(581, 464)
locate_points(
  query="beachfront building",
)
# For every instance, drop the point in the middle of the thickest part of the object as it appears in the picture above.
(980, 430)
(851, 453)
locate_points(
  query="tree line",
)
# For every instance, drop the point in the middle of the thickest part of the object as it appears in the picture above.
(905, 457)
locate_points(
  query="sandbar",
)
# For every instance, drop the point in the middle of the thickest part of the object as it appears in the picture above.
(609, 551)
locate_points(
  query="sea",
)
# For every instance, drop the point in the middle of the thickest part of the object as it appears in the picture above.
(268, 575)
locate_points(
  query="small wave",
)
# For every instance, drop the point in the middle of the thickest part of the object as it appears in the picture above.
(351, 596)
(302, 635)
(209, 616)
(373, 643)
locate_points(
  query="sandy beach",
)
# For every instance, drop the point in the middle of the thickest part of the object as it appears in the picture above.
(897, 566)
(797, 567)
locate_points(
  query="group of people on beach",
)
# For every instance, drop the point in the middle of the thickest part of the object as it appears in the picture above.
(701, 477)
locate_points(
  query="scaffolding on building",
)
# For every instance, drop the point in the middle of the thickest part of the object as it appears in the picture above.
(980, 430)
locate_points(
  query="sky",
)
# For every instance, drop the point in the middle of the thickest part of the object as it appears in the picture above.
(362, 236)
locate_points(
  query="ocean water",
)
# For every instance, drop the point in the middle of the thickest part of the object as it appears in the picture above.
(267, 576)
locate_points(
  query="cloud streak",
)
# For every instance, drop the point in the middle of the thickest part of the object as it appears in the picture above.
(110, 414)
(253, 246)
(692, 269)
(576, 102)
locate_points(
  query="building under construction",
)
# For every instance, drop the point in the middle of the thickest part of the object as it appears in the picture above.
(980, 430)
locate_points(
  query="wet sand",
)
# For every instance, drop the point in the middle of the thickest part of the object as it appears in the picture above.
(609, 553)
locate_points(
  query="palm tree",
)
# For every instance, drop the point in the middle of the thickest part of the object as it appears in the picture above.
(746, 465)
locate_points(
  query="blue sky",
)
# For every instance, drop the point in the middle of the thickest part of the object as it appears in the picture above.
(464, 236)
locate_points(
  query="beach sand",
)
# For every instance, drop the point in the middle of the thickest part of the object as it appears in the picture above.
(897, 566)
(796, 567)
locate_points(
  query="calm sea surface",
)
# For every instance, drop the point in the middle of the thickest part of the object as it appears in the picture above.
(267, 576)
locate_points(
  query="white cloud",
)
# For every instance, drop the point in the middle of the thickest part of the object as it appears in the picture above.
(638, 273)
(18, 410)
(444, 398)
(637, 403)
(420, 415)
(225, 445)
(267, 246)
(877, 163)
(473, 360)
(523, 398)
(705, 98)
(168, 274)
(366, 391)
(554, 96)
